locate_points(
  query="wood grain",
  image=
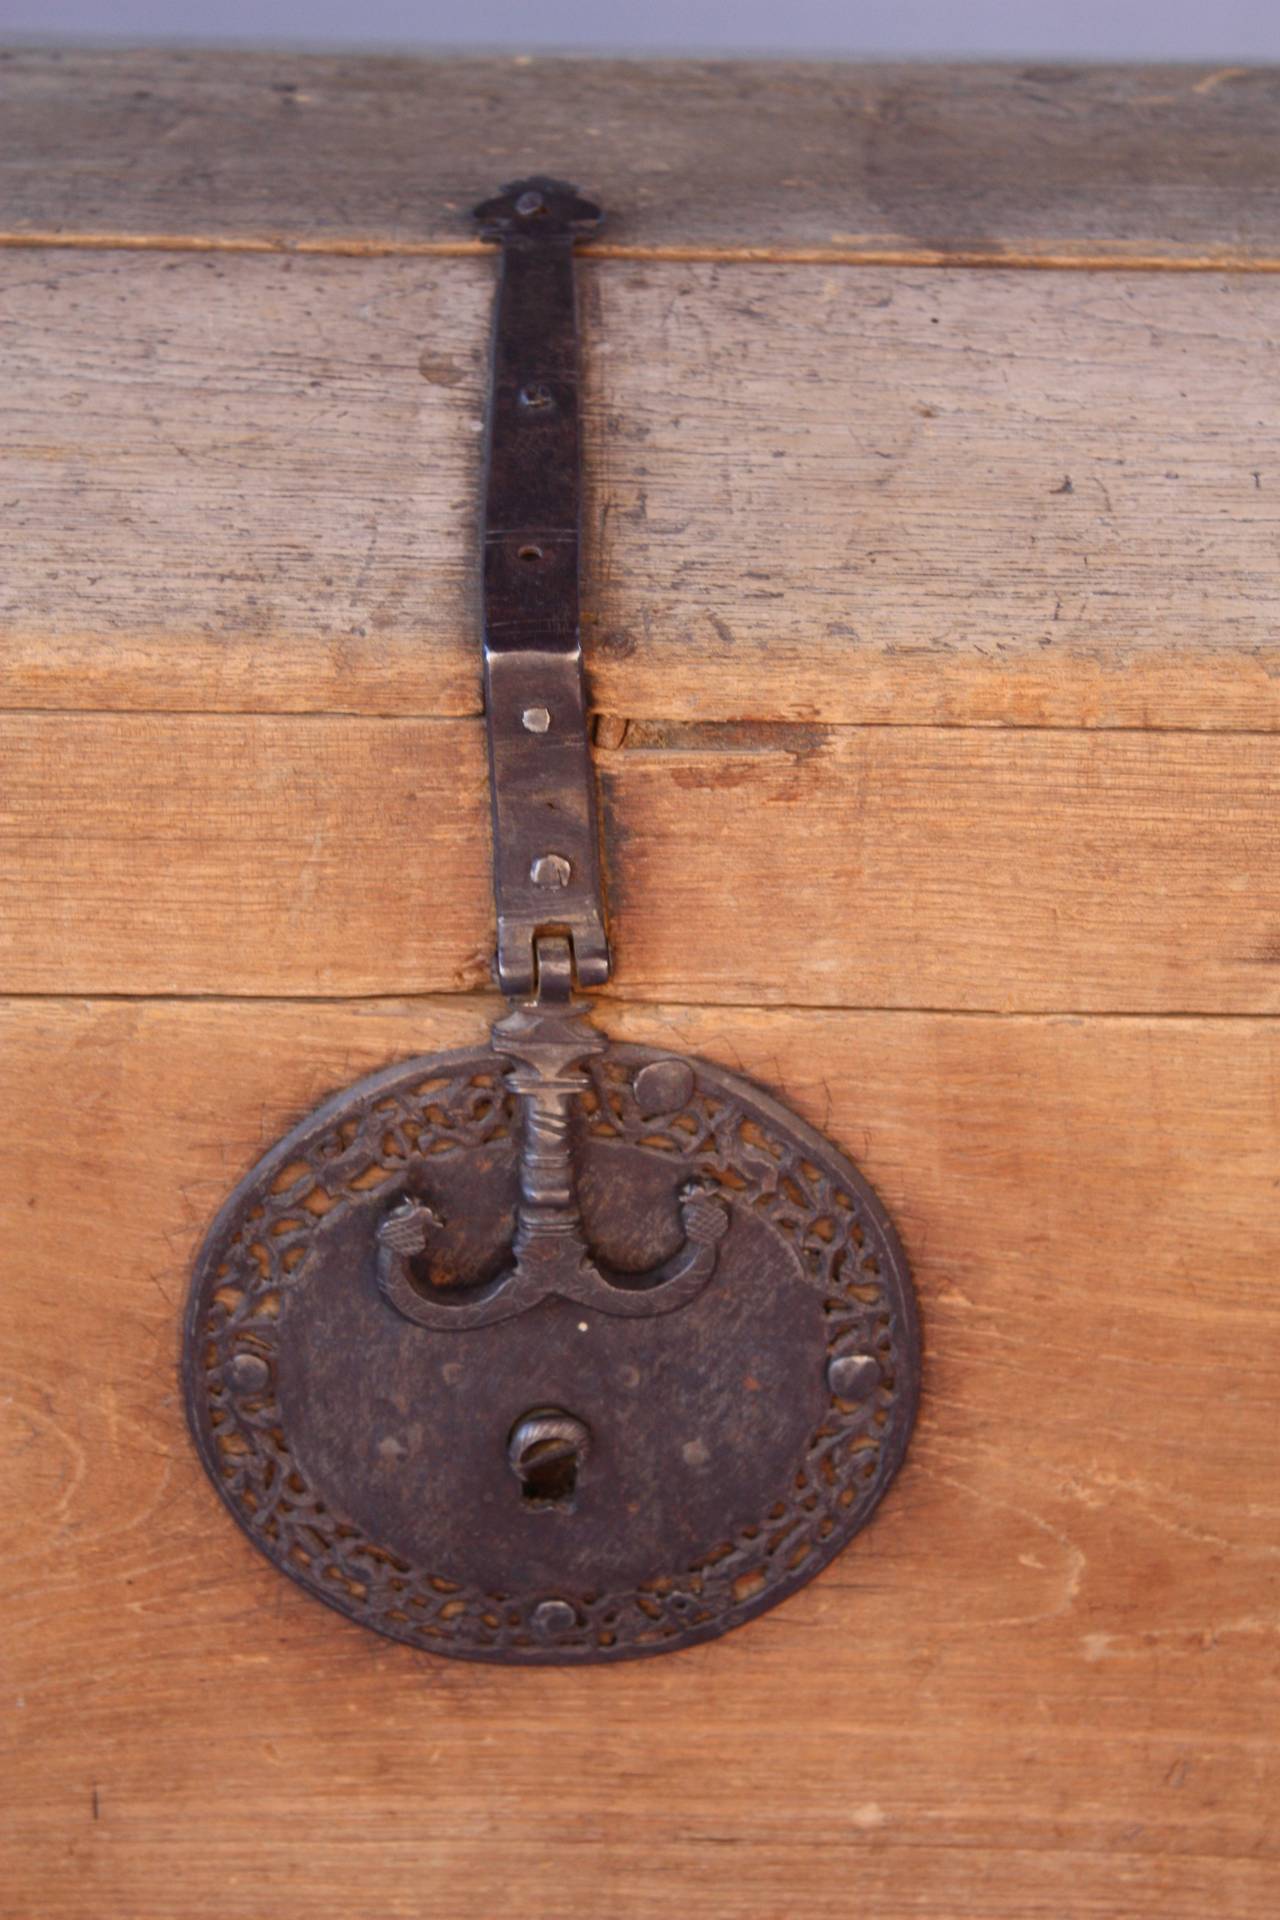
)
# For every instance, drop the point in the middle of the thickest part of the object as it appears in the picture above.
(1043, 1682)
(930, 620)
(896, 867)
(812, 495)
(1168, 164)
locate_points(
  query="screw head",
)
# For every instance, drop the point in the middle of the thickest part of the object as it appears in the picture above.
(550, 870)
(554, 1618)
(535, 720)
(248, 1372)
(530, 203)
(536, 397)
(853, 1376)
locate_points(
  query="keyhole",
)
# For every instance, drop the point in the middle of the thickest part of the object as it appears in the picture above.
(546, 1450)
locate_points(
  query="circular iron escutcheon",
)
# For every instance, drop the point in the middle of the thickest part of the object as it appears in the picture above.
(565, 1485)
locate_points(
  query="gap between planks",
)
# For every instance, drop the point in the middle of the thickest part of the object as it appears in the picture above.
(844, 256)
(489, 1003)
(665, 735)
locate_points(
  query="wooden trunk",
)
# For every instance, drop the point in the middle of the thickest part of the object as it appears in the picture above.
(933, 456)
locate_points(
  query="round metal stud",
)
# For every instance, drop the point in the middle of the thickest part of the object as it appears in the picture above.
(663, 1087)
(550, 870)
(248, 1372)
(553, 1618)
(853, 1376)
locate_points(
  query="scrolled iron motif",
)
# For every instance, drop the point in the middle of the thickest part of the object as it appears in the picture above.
(558, 1350)
(550, 1257)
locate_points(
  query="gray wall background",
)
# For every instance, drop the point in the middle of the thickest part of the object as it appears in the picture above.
(1204, 30)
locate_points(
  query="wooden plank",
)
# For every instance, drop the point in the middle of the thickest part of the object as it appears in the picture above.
(1167, 164)
(1042, 1683)
(882, 866)
(1026, 499)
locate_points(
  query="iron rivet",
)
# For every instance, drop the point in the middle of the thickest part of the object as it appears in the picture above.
(530, 203)
(552, 1618)
(536, 397)
(853, 1376)
(535, 720)
(664, 1086)
(550, 870)
(248, 1372)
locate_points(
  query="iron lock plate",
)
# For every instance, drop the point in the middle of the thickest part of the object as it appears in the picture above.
(733, 1444)
(554, 1350)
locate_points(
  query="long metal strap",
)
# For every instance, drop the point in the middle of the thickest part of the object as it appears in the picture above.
(546, 860)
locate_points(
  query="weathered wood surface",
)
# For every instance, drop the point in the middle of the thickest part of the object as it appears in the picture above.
(879, 867)
(1164, 164)
(814, 494)
(1042, 1684)
(931, 626)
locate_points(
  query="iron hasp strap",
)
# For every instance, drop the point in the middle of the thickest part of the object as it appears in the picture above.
(546, 858)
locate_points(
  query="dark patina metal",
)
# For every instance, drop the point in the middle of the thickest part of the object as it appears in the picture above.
(546, 863)
(555, 1350)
